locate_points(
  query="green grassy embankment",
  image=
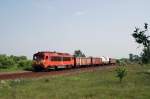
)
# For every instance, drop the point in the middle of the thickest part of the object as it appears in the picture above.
(97, 85)
(13, 69)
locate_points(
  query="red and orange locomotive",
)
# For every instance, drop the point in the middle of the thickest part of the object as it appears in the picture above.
(46, 60)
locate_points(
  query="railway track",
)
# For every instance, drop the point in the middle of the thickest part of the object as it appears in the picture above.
(30, 74)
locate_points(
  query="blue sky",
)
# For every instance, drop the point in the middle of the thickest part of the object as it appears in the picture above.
(97, 27)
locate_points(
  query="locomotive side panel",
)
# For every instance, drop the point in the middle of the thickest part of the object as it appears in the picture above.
(53, 59)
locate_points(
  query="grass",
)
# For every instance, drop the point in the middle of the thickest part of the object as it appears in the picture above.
(93, 85)
(12, 69)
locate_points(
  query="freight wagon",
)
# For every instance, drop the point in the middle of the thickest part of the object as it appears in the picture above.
(82, 61)
(112, 61)
(97, 61)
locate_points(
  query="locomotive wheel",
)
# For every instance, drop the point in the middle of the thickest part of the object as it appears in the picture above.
(56, 68)
(68, 67)
(37, 69)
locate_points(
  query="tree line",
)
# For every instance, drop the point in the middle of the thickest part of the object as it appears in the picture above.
(16, 62)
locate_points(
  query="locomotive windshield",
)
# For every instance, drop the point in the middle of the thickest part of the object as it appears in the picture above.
(38, 57)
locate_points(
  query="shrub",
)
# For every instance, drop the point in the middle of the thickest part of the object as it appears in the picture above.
(121, 72)
(46, 80)
(21, 62)
(6, 62)
(24, 64)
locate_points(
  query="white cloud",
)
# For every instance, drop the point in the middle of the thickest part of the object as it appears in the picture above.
(79, 13)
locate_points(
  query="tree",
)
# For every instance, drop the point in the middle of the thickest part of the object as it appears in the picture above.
(131, 57)
(18, 58)
(79, 53)
(142, 38)
(134, 58)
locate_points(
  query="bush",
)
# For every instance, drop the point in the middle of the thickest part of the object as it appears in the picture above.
(6, 62)
(25, 64)
(21, 62)
(121, 73)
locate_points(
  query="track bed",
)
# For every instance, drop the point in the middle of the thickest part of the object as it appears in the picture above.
(30, 74)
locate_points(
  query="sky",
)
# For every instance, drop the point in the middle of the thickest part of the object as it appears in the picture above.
(96, 27)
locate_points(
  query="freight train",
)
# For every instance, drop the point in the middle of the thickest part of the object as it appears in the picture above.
(47, 60)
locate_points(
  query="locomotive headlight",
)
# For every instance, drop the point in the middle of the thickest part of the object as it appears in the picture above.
(34, 62)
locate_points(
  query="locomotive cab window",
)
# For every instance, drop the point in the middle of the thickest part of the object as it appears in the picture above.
(38, 57)
(46, 57)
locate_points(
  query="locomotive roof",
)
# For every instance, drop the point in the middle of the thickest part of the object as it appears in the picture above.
(54, 53)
